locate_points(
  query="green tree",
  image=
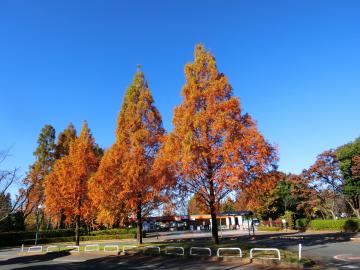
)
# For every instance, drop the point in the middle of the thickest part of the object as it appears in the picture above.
(5, 211)
(346, 155)
(65, 138)
(45, 156)
(46, 150)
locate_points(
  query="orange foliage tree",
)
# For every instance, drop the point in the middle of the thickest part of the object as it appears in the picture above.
(127, 180)
(213, 147)
(259, 195)
(196, 205)
(66, 187)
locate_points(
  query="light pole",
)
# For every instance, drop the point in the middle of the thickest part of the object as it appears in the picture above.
(37, 222)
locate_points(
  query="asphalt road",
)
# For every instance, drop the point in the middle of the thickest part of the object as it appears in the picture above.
(62, 261)
(330, 251)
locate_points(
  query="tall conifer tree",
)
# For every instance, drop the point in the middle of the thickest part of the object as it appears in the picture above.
(213, 147)
(66, 187)
(126, 179)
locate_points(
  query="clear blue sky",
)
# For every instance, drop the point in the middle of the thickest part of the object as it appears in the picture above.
(295, 65)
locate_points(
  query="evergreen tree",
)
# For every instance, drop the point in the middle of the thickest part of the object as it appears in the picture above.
(65, 138)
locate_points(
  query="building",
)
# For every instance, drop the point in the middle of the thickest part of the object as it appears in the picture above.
(228, 220)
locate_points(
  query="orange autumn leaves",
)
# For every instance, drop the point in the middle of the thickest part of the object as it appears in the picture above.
(66, 187)
(126, 180)
(213, 149)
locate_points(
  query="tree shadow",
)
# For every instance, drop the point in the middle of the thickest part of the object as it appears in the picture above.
(35, 258)
(129, 262)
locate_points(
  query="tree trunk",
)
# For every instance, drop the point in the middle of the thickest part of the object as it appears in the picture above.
(77, 229)
(214, 227)
(62, 220)
(139, 225)
(356, 211)
(332, 214)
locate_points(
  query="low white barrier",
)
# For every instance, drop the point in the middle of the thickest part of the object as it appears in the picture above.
(181, 249)
(128, 248)
(48, 248)
(111, 247)
(199, 248)
(238, 250)
(73, 248)
(266, 249)
(90, 248)
(35, 249)
(152, 247)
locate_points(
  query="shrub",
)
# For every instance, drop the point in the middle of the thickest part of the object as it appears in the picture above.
(335, 225)
(302, 223)
(289, 217)
(351, 225)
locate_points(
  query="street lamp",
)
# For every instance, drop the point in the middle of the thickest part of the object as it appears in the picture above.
(37, 222)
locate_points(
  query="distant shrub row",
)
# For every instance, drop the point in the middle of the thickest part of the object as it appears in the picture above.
(346, 225)
(269, 229)
(67, 235)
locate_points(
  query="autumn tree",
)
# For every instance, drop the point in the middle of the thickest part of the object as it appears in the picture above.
(325, 177)
(66, 187)
(196, 206)
(126, 180)
(260, 195)
(214, 147)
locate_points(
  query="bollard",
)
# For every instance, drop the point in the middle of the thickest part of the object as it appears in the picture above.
(22, 248)
(300, 246)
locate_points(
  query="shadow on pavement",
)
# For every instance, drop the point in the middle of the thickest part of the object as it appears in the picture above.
(36, 258)
(149, 263)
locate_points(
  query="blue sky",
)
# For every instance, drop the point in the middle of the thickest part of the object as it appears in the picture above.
(295, 66)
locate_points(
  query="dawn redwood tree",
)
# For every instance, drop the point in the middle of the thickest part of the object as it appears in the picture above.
(127, 180)
(214, 147)
(66, 187)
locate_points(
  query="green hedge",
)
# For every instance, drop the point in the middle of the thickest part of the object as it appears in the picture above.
(347, 225)
(31, 241)
(269, 229)
(18, 238)
(114, 231)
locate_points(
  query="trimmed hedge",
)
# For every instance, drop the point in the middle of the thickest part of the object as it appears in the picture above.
(114, 231)
(269, 229)
(67, 235)
(347, 225)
